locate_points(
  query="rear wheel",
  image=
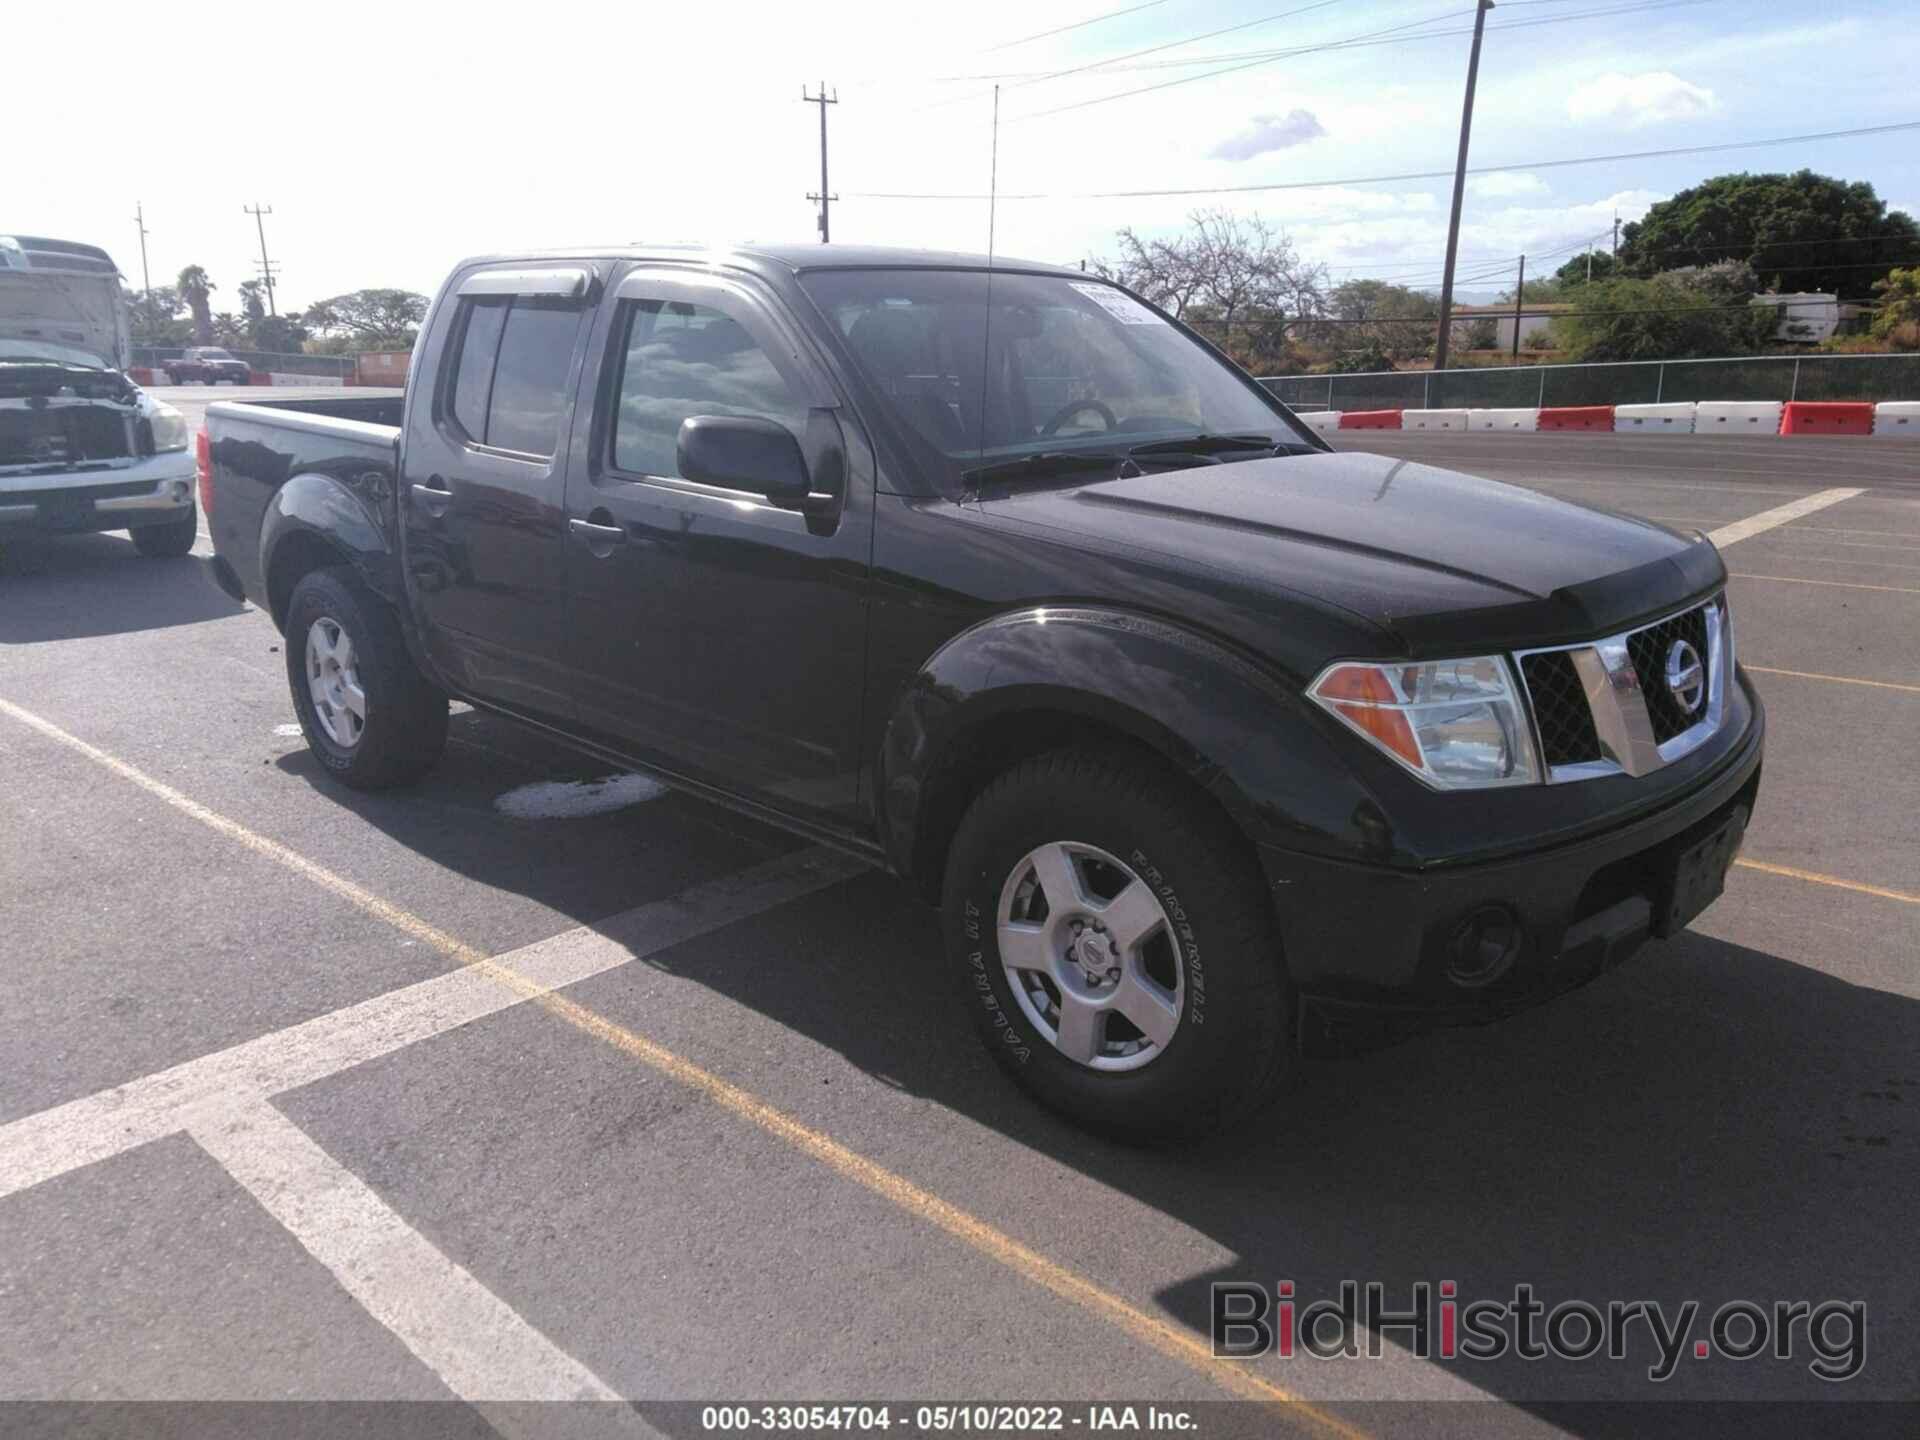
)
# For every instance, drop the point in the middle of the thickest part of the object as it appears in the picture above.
(369, 715)
(1118, 949)
(166, 542)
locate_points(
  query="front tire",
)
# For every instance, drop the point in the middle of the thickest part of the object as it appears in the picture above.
(1117, 946)
(166, 542)
(369, 715)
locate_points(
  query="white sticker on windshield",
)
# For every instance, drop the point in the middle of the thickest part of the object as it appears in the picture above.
(1118, 304)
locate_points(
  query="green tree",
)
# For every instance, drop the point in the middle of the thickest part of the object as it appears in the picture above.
(1799, 232)
(1675, 316)
(1590, 265)
(196, 291)
(369, 319)
(1898, 318)
(154, 316)
(1375, 313)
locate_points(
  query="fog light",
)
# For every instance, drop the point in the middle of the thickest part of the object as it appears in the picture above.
(1484, 947)
(180, 492)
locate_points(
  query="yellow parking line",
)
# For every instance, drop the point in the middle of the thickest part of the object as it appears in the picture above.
(1816, 878)
(1832, 679)
(1170, 1340)
(1837, 584)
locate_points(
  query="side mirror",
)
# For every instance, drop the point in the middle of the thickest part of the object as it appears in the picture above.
(742, 452)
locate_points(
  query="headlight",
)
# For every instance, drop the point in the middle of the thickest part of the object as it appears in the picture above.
(169, 428)
(1457, 724)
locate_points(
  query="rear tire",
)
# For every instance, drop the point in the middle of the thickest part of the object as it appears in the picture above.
(369, 715)
(1214, 1044)
(166, 542)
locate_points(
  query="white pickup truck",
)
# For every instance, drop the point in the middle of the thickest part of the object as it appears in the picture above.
(81, 446)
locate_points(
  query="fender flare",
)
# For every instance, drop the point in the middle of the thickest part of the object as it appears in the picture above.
(334, 513)
(1241, 733)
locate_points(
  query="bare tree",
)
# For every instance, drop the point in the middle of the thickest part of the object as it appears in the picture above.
(1224, 269)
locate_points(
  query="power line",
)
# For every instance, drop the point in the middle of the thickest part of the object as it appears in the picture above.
(1331, 183)
(1115, 60)
(1076, 25)
(1371, 37)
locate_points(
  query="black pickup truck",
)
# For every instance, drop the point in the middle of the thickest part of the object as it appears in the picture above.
(1211, 743)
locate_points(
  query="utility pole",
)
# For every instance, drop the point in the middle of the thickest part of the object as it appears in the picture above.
(823, 99)
(1459, 188)
(266, 266)
(140, 219)
(1615, 252)
(1519, 294)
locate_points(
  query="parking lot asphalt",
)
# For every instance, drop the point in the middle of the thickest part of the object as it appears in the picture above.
(314, 1094)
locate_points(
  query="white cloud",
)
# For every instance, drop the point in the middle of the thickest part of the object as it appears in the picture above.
(1506, 184)
(1648, 98)
(1268, 133)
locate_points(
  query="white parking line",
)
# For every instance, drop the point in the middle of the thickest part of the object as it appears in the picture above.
(38, 1147)
(1780, 514)
(468, 1336)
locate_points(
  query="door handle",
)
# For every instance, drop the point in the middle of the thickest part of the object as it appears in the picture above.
(600, 538)
(434, 496)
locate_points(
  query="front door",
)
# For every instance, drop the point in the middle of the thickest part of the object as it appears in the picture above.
(481, 496)
(713, 632)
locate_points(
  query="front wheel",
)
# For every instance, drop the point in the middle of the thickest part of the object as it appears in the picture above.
(369, 715)
(1117, 946)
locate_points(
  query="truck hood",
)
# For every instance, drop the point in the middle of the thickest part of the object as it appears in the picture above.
(74, 312)
(1438, 559)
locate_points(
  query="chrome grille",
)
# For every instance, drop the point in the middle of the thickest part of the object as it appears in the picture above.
(1648, 650)
(1605, 707)
(1560, 709)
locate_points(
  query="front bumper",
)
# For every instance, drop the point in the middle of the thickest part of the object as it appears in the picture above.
(148, 492)
(1374, 949)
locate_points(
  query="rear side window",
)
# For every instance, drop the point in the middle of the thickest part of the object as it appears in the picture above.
(685, 359)
(473, 371)
(510, 381)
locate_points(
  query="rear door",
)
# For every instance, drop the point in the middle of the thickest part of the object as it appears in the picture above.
(713, 632)
(483, 484)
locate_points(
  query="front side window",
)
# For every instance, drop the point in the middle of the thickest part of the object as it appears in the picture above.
(1054, 362)
(509, 385)
(685, 359)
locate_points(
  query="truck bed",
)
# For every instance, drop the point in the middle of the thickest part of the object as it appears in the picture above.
(256, 447)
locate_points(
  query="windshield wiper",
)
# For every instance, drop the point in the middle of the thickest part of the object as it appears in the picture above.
(1043, 463)
(1205, 445)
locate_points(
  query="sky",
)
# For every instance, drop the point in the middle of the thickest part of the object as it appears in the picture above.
(393, 139)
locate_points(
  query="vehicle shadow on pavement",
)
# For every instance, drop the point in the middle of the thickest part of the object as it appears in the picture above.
(1707, 1122)
(78, 586)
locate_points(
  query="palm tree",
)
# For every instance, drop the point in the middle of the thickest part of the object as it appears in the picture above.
(195, 287)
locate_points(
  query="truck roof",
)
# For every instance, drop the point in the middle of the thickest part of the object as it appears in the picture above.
(792, 258)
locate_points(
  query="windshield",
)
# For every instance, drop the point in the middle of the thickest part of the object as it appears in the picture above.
(210, 354)
(1066, 365)
(15, 348)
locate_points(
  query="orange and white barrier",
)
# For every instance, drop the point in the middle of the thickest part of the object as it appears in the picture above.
(1671, 419)
(1737, 417)
(1319, 421)
(1521, 420)
(1433, 419)
(1897, 420)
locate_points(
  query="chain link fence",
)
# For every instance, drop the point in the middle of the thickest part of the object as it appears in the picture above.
(1648, 382)
(156, 357)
